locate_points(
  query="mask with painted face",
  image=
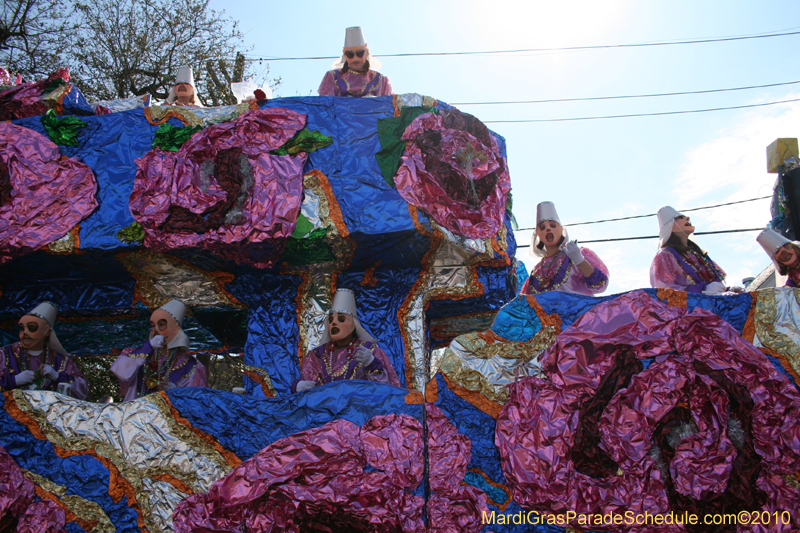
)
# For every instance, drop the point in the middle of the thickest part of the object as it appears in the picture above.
(33, 332)
(162, 323)
(340, 327)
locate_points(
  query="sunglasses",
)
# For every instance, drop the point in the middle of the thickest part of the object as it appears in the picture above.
(33, 327)
(350, 54)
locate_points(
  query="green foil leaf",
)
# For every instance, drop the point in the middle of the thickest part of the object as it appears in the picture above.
(62, 130)
(304, 141)
(171, 138)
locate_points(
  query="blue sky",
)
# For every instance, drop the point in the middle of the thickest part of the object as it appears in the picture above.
(591, 169)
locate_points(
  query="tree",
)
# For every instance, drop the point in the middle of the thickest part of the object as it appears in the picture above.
(33, 33)
(133, 47)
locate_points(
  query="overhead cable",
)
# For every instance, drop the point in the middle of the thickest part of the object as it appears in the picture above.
(591, 98)
(656, 236)
(641, 114)
(556, 49)
(654, 214)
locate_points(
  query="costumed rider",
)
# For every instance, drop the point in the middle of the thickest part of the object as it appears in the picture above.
(785, 254)
(347, 350)
(183, 92)
(163, 362)
(356, 72)
(680, 264)
(564, 266)
(38, 361)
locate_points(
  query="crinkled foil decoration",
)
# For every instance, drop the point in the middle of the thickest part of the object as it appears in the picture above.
(141, 439)
(413, 100)
(43, 194)
(315, 293)
(709, 426)
(318, 477)
(452, 169)
(162, 277)
(66, 244)
(223, 191)
(88, 514)
(777, 324)
(34, 98)
(448, 270)
(198, 116)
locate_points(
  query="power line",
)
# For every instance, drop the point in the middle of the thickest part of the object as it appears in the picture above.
(654, 214)
(656, 236)
(552, 100)
(641, 114)
(558, 49)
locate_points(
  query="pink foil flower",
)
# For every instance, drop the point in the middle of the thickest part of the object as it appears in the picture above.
(453, 170)
(321, 477)
(43, 194)
(710, 426)
(223, 190)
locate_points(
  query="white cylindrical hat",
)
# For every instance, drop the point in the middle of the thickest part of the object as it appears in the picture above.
(545, 211)
(353, 36)
(185, 74)
(666, 216)
(48, 312)
(344, 301)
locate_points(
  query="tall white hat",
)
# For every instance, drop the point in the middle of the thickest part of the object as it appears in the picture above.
(666, 216)
(177, 310)
(771, 241)
(48, 312)
(354, 38)
(344, 301)
(545, 211)
(185, 74)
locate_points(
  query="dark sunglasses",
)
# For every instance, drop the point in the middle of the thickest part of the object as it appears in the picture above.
(33, 327)
(350, 54)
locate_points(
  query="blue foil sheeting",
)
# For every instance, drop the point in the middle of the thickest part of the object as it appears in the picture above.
(82, 475)
(516, 321)
(260, 422)
(734, 309)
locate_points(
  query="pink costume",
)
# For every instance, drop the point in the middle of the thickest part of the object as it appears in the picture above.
(690, 273)
(15, 359)
(327, 363)
(144, 370)
(352, 83)
(558, 273)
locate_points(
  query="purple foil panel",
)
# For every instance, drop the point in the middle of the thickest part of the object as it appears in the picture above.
(43, 516)
(452, 169)
(318, 477)
(710, 426)
(43, 195)
(16, 491)
(223, 190)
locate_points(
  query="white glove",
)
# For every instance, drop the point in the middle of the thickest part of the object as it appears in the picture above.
(305, 385)
(364, 356)
(574, 252)
(169, 385)
(50, 372)
(157, 341)
(715, 287)
(24, 378)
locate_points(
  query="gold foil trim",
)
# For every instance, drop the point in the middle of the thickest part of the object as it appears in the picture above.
(161, 277)
(188, 116)
(263, 373)
(84, 509)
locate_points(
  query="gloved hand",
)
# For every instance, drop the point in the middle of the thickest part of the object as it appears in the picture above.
(305, 385)
(364, 356)
(49, 372)
(715, 287)
(24, 378)
(574, 252)
(169, 385)
(157, 341)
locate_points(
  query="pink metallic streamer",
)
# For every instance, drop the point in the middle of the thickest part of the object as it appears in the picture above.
(49, 193)
(535, 430)
(419, 187)
(269, 213)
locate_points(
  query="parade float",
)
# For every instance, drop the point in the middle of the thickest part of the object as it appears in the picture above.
(516, 413)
